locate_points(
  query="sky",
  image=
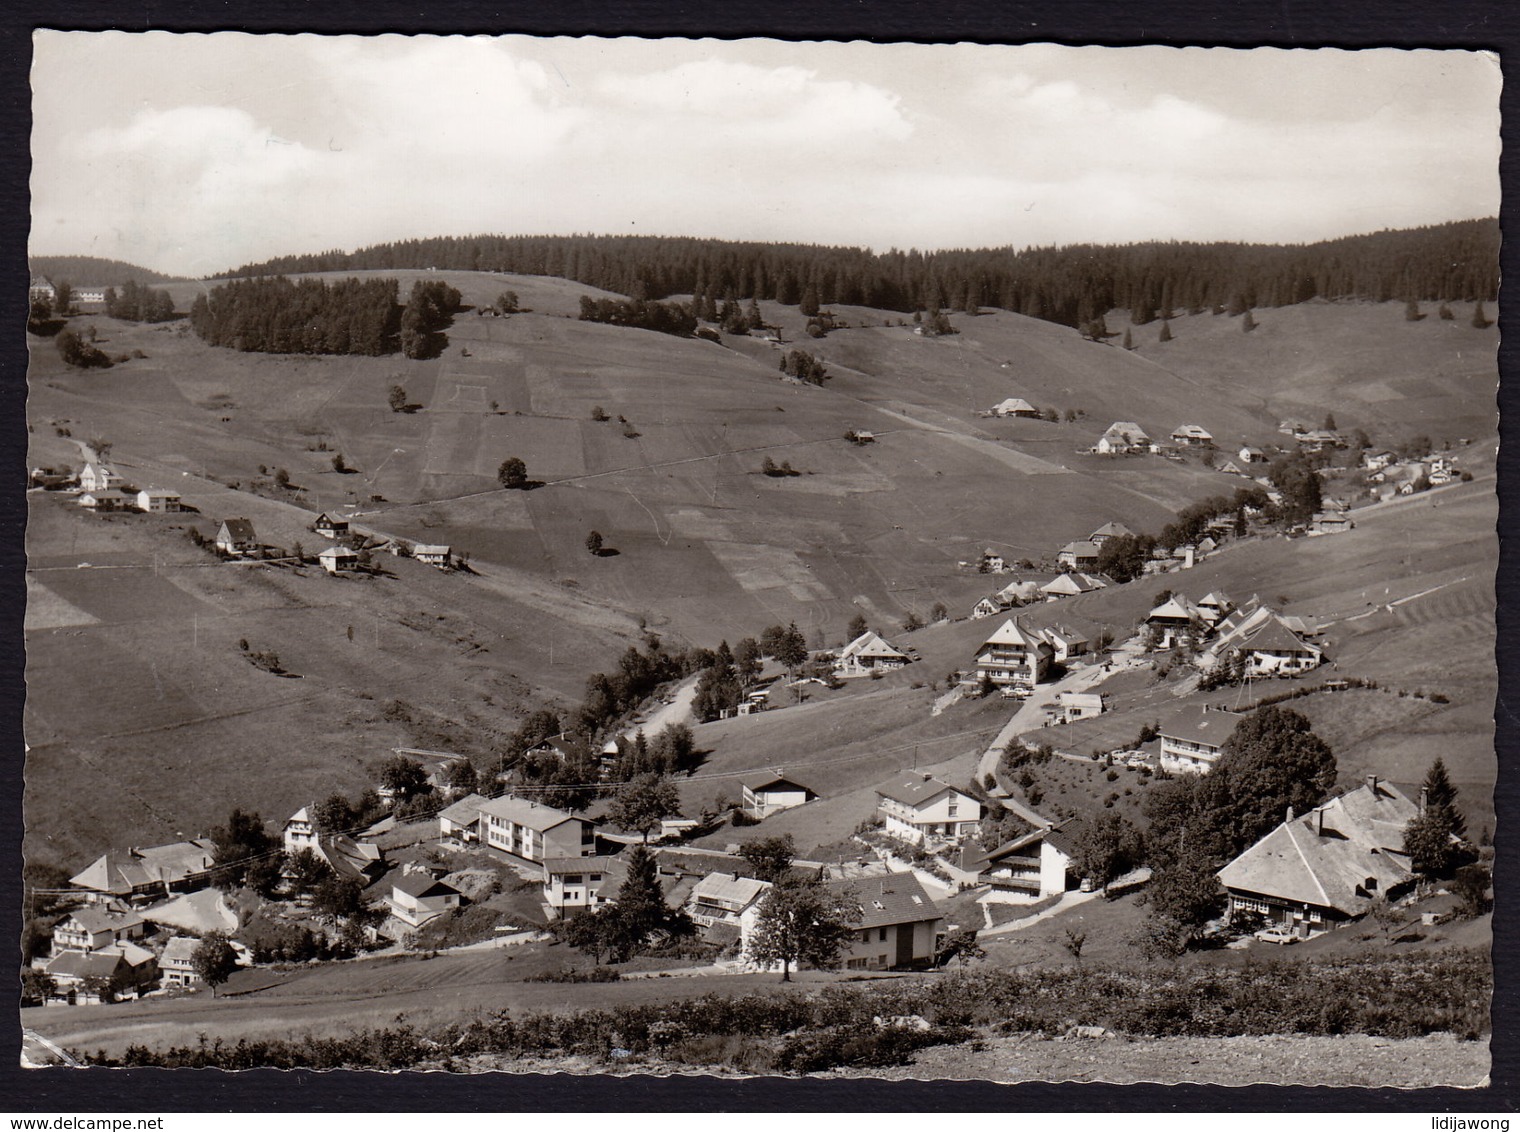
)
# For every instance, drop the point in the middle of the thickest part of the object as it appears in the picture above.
(194, 153)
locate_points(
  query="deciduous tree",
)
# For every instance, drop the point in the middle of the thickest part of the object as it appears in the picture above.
(800, 921)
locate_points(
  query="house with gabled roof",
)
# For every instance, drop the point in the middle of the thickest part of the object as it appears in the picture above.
(431, 554)
(177, 963)
(1250, 454)
(1214, 606)
(769, 792)
(919, 808)
(533, 831)
(723, 898)
(1080, 705)
(1108, 531)
(419, 898)
(159, 500)
(1317, 440)
(1072, 583)
(1014, 407)
(1191, 740)
(990, 607)
(1193, 436)
(572, 883)
(1377, 461)
(1066, 641)
(106, 499)
(1330, 523)
(337, 559)
(899, 926)
(1275, 650)
(98, 476)
(1315, 872)
(1014, 656)
(1079, 555)
(459, 822)
(562, 747)
(81, 977)
(95, 926)
(330, 526)
(1174, 617)
(1031, 867)
(141, 874)
(866, 654)
(236, 536)
(1122, 436)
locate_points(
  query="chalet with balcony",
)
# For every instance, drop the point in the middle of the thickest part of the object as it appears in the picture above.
(1014, 657)
(1192, 738)
(919, 808)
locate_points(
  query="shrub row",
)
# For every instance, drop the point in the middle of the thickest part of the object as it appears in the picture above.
(1394, 997)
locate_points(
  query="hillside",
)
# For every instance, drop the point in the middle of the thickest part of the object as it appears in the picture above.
(707, 547)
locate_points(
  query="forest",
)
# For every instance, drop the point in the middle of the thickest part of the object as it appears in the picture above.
(277, 315)
(1069, 285)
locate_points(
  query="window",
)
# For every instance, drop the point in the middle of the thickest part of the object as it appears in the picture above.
(865, 936)
(954, 807)
(882, 938)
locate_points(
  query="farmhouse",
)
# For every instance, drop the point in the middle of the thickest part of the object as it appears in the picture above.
(1108, 531)
(1318, 440)
(1066, 641)
(1174, 617)
(1275, 650)
(1250, 454)
(1193, 436)
(177, 964)
(1331, 523)
(1191, 739)
(992, 562)
(159, 499)
(560, 747)
(723, 898)
(236, 536)
(1377, 461)
(921, 809)
(1072, 583)
(98, 477)
(767, 793)
(41, 287)
(1031, 867)
(107, 499)
(582, 882)
(534, 832)
(1079, 555)
(419, 898)
(1014, 657)
(1121, 437)
(139, 874)
(330, 526)
(432, 555)
(868, 653)
(1214, 606)
(95, 926)
(82, 977)
(336, 559)
(1014, 407)
(1315, 872)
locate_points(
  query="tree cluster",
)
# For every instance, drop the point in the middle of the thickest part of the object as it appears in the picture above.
(1073, 285)
(280, 316)
(138, 303)
(246, 854)
(429, 308)
(637, 920)
(666, 318)
(1435, 838)
(804, 367)
(75, 351)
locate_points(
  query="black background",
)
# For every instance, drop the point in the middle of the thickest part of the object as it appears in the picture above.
(1488, 25)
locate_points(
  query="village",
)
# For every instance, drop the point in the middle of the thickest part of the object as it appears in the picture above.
(440, 856)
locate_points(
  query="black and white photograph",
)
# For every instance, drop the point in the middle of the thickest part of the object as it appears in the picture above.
(755, 558)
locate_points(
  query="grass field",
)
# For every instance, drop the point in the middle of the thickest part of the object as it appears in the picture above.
(707, 547)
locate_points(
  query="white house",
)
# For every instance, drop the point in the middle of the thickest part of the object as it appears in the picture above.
(159, 499)
(420, 898)
(177, 964)
(106, 499)
(1250, 454)
(1192, 738)
(533, 831)
(722, 898)
(235, 536)
(1031, 867)
(989, 607)
(1014, 656)
(335, 559)
(1123, 436)
(868, 653)
(919, 808)
(300, 832)
(459, 823)
(572, 883)
(1079, 555)
(1072, 583)
(767, 793)
(439, 556)
(98, 477)
(1080, 705)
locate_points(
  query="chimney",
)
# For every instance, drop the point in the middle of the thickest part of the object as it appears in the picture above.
(1319, 822)
(1372, 781)
(1289, 818)
(1424, 799)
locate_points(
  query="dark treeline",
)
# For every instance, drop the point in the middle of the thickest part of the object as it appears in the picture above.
(92, 270)
(1071, 285)
(138, 303)
(277, 315)
(429, 308)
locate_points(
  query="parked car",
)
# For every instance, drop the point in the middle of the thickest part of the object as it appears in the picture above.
(1276, 935)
